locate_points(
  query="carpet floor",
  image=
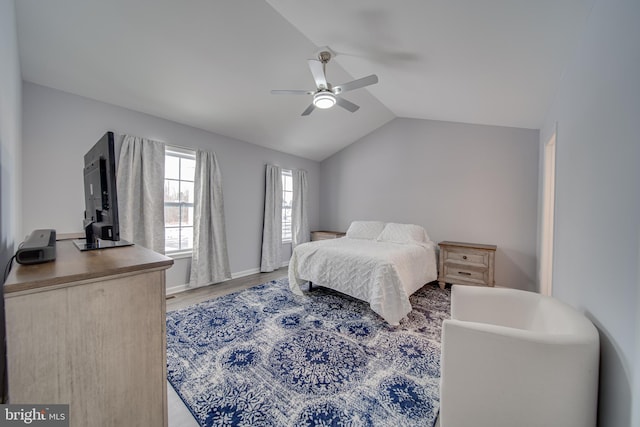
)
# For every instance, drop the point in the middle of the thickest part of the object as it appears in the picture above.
(267, 357)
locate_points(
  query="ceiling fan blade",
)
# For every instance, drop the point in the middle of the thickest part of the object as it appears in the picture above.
(317, 69)
(292, 92)
(356, 84)
(347, 105)
(308, 111)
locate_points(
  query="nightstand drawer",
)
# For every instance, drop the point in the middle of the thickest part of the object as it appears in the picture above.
(467, 256)
(455, 273)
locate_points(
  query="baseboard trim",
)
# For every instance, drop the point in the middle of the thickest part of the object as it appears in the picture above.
(176, 289)
(245, 273)
(181, 288)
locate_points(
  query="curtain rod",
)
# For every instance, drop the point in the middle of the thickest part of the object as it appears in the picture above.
(169, 144)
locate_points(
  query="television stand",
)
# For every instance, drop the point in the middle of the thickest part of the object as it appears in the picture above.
(88, 330)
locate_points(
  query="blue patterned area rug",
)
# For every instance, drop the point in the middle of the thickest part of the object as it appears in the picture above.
(267, 357)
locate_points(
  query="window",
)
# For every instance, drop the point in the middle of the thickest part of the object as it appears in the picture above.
(179, 172)
(287, 198)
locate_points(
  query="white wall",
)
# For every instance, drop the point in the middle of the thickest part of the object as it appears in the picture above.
(597, 237)
(461, 182)
(59, 128)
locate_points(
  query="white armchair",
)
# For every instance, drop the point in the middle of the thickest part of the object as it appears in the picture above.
(513, 358)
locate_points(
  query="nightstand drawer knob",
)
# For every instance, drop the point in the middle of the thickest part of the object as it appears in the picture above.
(464, 273)
(464, 257)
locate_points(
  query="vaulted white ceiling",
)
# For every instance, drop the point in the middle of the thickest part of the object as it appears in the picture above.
(212, 63)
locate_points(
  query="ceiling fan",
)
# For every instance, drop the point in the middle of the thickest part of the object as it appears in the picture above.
(327, 95)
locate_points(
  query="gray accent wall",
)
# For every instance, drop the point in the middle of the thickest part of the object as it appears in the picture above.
(10, 156)
(597, 217)
(10, 133)
(59, 128)
(462, 182)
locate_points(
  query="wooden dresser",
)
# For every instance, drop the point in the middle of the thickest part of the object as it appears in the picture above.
(88, 330)
(466, 264)
(322, 235)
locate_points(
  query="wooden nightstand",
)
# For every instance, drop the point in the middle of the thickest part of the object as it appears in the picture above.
(322, 235)
(466, 264)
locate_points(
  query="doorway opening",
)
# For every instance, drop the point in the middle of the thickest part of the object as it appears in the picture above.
(548, 211)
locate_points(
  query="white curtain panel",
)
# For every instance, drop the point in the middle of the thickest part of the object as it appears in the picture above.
(140, 187)
(272, 229)
(300, 232)
(210, 259)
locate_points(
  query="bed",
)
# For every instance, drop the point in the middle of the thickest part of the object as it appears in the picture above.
(382, 264)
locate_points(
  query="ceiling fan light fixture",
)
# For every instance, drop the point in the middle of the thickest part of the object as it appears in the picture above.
(325, 95)
(324, 100)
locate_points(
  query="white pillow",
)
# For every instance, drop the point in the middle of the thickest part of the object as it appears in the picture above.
(403, 233)
(369, 230)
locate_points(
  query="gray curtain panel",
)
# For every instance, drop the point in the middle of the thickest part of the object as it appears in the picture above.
(272, 229)
(140, 186)
(210, 259)
(300, 232)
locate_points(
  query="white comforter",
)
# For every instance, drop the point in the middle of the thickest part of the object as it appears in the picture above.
(384, 274)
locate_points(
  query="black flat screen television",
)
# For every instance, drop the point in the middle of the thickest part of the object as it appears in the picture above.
(101, 226)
